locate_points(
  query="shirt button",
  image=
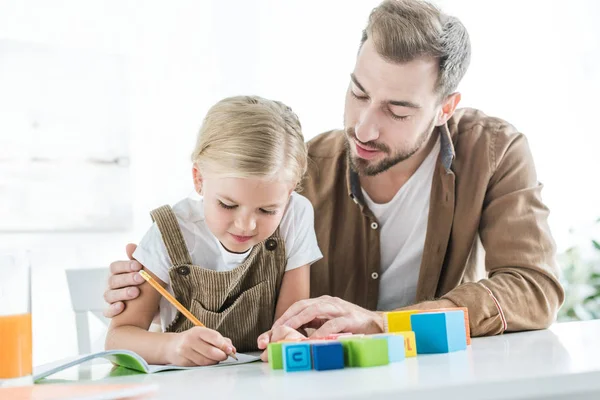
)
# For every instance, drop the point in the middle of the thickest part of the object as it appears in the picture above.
(374, 275)
(374, 225)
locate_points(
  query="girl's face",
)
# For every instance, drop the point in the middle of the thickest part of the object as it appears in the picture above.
(242, 212)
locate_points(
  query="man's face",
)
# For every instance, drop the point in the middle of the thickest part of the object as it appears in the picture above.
(391, 110)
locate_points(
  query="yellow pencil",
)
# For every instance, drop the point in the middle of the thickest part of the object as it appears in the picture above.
(174, 301)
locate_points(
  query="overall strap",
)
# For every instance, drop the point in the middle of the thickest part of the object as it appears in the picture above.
(171, 234)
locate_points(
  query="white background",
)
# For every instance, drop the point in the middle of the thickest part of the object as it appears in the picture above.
(535, 64)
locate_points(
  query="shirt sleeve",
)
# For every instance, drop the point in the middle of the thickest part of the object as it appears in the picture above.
(298, 230)
(522, 291)
(152, 253)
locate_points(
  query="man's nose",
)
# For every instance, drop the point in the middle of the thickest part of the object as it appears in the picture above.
(367, 128)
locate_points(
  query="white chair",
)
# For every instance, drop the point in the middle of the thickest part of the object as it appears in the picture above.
(87, 288)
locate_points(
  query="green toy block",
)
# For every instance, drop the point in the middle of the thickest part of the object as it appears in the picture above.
(370, 352)
(275, 355)
(346, 341)
(348, 359)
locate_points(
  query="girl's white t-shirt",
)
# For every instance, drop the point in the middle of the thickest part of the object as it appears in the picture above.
(296, 229)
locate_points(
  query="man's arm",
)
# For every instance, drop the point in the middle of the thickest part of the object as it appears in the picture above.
(522, 291)
(123, 283)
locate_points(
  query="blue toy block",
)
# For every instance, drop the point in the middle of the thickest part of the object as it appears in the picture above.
(396, 352)
(296, 357)
(328, 355)
(441, 332)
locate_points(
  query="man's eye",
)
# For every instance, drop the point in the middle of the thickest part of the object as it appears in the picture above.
(399, 117)
(357, 97)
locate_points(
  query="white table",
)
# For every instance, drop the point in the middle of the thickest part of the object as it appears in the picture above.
(560, 363)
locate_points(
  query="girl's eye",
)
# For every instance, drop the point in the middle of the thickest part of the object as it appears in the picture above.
(268, 212)
(225, 206)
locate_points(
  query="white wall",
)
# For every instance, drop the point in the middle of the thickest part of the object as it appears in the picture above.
(535, 63)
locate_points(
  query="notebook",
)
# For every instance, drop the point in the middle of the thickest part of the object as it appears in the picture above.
(131, 360)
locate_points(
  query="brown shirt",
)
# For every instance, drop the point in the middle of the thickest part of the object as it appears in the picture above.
(488, 245)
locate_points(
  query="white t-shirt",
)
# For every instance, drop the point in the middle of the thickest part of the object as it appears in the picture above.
(403, 224)
(296, 229)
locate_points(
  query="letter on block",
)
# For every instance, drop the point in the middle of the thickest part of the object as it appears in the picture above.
(327, 355)
(274, 353)
(296, 357)
(398, 321)
(370, 352)
(439, 332)
(410, 343)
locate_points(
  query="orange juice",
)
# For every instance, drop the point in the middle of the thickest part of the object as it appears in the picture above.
(15, 346)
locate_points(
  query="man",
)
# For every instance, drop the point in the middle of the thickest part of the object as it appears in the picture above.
(417, 204)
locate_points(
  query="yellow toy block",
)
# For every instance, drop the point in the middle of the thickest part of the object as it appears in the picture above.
(410, 343)
(398, 321)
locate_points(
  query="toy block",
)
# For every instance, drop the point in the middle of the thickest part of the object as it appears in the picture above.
(335, 336)
(410, 343)
(370, 352)
(274, 353)
(296, 357)
(439, 332)
(396, 352)
(346, 341)
(466, 311)
(398, 321)
(327, 355)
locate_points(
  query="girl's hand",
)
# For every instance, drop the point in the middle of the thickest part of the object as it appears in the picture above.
(198, 346)
(274, 335)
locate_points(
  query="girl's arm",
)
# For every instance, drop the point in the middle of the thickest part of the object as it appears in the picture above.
(129, 330)
(295, 286)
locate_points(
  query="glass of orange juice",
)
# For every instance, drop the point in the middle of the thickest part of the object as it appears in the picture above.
(15, 318)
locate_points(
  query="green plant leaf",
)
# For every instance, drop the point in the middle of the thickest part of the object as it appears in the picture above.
(591, 297)
(596, 244)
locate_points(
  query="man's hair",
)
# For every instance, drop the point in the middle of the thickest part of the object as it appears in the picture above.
(403, 30)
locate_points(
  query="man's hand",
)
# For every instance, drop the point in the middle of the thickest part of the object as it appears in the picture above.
(122, 283)
(275, 335)
(330, 315)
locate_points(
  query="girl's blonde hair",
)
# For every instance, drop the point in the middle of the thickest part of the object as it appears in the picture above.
(248, 136)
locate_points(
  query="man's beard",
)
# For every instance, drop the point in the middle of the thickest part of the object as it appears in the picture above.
(367, 168)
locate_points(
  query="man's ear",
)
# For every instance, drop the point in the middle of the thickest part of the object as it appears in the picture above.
(448, 107)
(197, 175)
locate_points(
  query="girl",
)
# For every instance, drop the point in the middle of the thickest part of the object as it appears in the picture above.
(238, 254)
